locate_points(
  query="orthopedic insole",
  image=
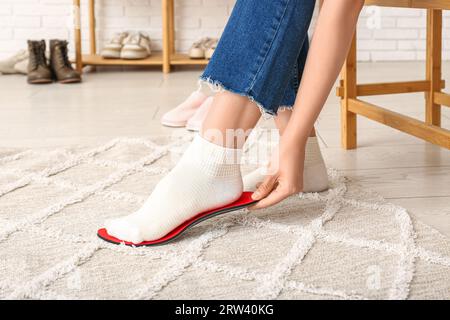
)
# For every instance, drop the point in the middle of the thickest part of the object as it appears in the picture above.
(244, 201)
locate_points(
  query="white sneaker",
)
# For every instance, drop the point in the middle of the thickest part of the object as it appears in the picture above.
(210, 46)
(113, 48)
(22, 66)
(197, 51)
(7, 66)
(199, 48)
(136, 46)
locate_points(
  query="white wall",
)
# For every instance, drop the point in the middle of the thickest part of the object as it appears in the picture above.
(400, 36)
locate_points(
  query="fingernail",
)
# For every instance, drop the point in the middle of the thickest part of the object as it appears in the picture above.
(255, 195)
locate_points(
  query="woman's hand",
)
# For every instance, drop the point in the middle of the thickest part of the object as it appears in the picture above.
(285, 175)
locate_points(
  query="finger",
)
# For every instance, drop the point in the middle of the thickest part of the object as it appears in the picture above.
(273, 198)
(265, 188)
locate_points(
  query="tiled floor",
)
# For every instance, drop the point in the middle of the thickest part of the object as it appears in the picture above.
(109, 104)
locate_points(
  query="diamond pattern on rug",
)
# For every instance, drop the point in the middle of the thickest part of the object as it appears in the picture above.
(345, 243)
(370, 273)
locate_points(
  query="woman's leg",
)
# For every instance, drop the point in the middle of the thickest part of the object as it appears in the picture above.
(258, 51)
(315, 177)
(207, 176)
(260, 42)
(230, 120)
(332, 38)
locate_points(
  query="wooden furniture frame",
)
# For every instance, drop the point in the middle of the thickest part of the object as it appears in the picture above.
(167, 58)
(349, 90)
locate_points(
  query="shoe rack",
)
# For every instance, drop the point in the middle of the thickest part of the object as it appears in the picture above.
(166, 59)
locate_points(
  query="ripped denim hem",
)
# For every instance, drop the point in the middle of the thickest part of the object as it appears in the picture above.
(216, 86)
(285, 107)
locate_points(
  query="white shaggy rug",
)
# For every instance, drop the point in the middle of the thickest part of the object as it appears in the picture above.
(347, 243)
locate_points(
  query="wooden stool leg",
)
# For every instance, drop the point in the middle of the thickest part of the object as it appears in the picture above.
(166, 35)
(434, 65)
(171, 26)
(77, 33)
(92, 29)
(348, 119)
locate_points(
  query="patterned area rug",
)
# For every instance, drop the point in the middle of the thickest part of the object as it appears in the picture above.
(346, 243)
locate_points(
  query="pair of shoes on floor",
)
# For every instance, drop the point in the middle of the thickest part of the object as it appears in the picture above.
(203, 48)
(59, 67)
(190, 113)
(18, 63)
(128, 45)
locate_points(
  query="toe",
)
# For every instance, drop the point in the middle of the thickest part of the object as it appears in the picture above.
(124, 230)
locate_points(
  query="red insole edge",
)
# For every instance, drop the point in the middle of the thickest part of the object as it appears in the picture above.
(244, 201)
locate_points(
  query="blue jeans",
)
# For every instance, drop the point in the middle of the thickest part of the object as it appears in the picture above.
(262, 52)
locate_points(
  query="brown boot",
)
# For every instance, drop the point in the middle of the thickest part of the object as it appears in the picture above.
(38, 70)
(60, 64)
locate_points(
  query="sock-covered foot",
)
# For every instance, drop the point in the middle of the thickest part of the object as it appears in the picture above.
(315, 178)
(206, 177)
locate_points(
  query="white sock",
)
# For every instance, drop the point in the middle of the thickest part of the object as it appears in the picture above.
(206, 177)
(315, 178)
